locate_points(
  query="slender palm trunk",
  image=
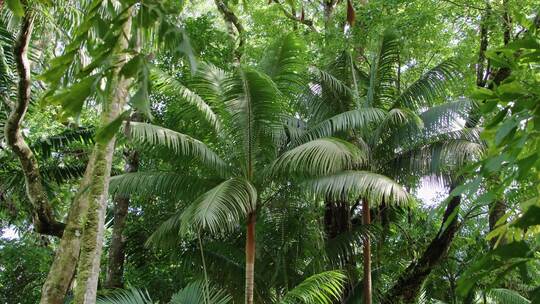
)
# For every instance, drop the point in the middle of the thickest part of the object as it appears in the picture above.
(115, 268)
(366, 220)
(250, 258)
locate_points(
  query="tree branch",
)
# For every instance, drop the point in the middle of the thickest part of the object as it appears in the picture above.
(306, 22)
(43, 217)
(232, 20)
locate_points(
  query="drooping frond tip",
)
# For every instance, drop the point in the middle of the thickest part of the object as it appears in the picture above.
(375, 187)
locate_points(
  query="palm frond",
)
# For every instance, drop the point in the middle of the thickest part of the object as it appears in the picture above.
(322, 288)
(354, 184)
(436, 157)
(330, 82)
(446, 116)
(343, 247)
(61, 173)
(507, 296)
(163, 184)
(179, 143)
(382, 72)
(256, 114)
(46, 145)
(169, 86)
(209, 82)
(429, 87)
(394, 123)
(197, 293)
(222, 207)
(350, 120)
(130, 296)
(319, 157)
(284, 62)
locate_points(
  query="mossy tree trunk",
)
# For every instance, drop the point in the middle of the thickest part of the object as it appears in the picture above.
(81, 245)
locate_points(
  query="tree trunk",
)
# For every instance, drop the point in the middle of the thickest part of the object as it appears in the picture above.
(497, 210)
(408, 285)
(43, 217)
(82, 241)
(92, 245)
(337, 221)
(63, 267)
(250, 257)
(366, 220)
(115, 268)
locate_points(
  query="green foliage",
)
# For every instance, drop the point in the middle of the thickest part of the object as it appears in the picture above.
(130, 296)
(308, 118)
(322, 288)
(24, 265)
(198, 292)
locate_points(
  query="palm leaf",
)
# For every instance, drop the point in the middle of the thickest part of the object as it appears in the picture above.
(354, 184)
(319, 157)
(436, 157)
(181, 144)
(46, 145)
(382, 72)
(130, 296)
(169, 86)
(197, 293)
(284, 62)
(507, 296)
(322, 288)
(350, 120)
(255, 114)
(429, 87)
(222, 207)
(164, 184)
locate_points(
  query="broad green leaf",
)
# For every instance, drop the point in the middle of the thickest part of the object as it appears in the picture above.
(505, 130)
(530, 218)
(16, 7)
(106, 133)
(72, 98)
(481, 93)
(511, 90)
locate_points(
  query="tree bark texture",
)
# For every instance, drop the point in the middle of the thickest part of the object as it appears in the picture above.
(250, 258)
(92, 240)
(43, 217)
(115, 269)
(81, 246)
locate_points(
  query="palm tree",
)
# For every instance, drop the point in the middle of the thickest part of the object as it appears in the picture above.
(246, 108)
(402, 131)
